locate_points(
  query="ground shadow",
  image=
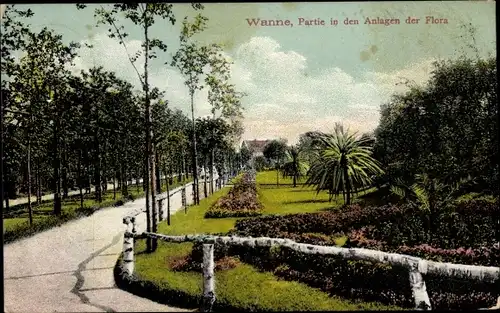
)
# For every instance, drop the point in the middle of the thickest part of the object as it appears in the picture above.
(307, 201)
(329, 209)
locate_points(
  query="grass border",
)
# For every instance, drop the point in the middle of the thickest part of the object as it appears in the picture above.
(163, 295)
(53, 221)
(50, 222)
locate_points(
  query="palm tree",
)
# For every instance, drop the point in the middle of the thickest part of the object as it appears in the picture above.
(294, 166)
(343, 160)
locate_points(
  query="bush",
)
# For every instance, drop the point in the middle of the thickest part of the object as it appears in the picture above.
(398, 229)
(394, 225)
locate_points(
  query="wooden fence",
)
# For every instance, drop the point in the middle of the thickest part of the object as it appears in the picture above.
(416, 266)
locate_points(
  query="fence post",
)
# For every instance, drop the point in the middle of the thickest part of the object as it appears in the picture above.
(193, 191)
(160, 209)
(128, 246)
(208, 278)
(168, 212)
(418, 287)
(134, 225)
(183, 194)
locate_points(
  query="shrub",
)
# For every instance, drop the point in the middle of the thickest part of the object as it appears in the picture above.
(403, 230)
(395, 225)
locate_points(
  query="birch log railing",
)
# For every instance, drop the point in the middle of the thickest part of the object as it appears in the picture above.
(131, 219)
(219, 182)
(416, 266)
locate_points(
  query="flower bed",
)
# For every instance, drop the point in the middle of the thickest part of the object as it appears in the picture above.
(241, 201)
(469, 235)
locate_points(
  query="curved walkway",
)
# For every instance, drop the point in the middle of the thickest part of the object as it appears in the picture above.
(70, 268)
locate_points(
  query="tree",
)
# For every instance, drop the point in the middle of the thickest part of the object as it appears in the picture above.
(294, 166)
(13, 31)
(45, 63)
(446, 128)
(275, 151)
(246, 156)
(191, 59)
(212, 135)
(143, 15)
(260, 163)
(223, 97)
(343, 163)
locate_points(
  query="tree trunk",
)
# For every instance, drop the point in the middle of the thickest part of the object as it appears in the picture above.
(97, 171)
(149, 138)
(65, 173)
(123, 177)
(212, 156)
(57, 185)
(105, 169)
(138, 182)
(7, 204)
(179, 171)
(347, 186)
(196, 189)
(145, 175)
(277, 176)
(168, 197)
(166, 175)
(38, 182)
(80, 179)
(114, 187)
(184, 167)
(148, 205)
(30, 209)
(158, 177)
(205, 193)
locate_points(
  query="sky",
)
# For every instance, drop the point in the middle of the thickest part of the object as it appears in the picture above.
(297, 78)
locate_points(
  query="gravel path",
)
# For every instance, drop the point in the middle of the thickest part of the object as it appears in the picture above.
(70, 268)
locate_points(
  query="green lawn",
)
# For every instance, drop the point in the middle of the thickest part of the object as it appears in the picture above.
(269, 178)
(286, 199)
(243, 286)
(16, 218)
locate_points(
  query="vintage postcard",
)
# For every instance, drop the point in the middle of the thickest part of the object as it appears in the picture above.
(244, 156)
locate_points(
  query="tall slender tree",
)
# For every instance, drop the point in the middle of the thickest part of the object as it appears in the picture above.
(143, 15)
(191, 59)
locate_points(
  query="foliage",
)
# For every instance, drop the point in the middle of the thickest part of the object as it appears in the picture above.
(294, 166)
(388, 228)
(90, 126)
(246, 156)
(239, 288)
(275, 151)
(447, 129)
(343, 163)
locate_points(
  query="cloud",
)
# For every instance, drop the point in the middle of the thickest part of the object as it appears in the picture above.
(283, 100)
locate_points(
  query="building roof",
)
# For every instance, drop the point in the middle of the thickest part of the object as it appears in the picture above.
(256, 145)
